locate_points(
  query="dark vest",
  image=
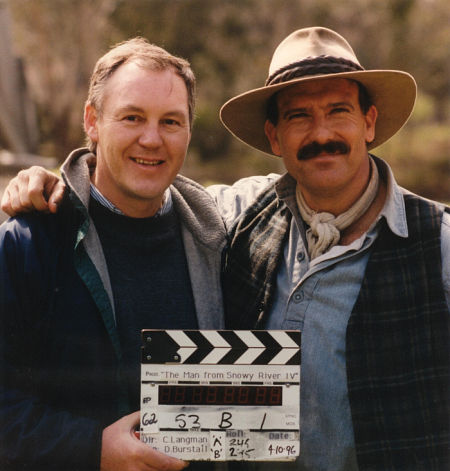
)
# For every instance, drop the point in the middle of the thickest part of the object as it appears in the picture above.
(398, 355)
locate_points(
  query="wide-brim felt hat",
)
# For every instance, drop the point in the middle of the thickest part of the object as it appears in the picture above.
(312, 54)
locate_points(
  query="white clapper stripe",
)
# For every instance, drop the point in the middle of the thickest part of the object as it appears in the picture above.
(221, 347)
(215, 356)
(283, 339)
(256, 347)
(215, 339)
(249, 339)
(249, 356)
(187, 346)
(290, 348)
(282, 357)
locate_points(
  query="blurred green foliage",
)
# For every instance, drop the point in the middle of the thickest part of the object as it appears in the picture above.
(229, 44)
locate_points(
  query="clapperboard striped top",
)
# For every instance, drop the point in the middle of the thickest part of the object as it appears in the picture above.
(226, 347)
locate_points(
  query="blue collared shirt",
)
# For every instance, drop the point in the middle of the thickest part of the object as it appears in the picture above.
(97, 195)
(317, 297)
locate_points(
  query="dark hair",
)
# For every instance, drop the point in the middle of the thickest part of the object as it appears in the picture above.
(364, 98)
(365, 102)
(272, 109)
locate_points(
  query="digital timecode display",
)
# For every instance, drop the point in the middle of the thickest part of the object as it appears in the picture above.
(220, 395)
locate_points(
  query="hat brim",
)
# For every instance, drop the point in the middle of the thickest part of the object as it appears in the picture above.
(393, 92)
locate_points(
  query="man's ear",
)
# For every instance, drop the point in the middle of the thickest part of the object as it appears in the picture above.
(271, 133)
(371, 119)
(90, 122)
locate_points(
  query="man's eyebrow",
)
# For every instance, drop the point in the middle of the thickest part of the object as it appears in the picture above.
(130, 107)
(341, 103)
(295, 110)
(138, 109)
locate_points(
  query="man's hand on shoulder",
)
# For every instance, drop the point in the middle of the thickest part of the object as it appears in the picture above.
(122, 450)
(34, 189)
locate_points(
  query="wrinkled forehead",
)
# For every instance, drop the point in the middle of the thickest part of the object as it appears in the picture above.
(310, 91)
(136, 84)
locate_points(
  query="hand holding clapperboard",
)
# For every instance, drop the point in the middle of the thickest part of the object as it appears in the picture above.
(221, 395)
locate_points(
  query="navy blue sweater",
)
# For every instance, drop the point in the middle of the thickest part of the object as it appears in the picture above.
(150, 280)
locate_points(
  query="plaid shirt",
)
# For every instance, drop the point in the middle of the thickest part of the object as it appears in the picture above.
(397, 337)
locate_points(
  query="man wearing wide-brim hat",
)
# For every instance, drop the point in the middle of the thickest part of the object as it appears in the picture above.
(337, 249)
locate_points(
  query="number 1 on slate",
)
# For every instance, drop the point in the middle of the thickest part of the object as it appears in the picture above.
(263, 420)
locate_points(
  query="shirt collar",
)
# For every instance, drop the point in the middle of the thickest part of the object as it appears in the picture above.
(394, 207)
(97, 195)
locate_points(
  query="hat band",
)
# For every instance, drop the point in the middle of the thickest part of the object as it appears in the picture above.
(321, 65)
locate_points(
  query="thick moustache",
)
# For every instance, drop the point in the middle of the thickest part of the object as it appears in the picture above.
(314, 149)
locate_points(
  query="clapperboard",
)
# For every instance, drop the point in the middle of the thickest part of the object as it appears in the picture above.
(221, 395)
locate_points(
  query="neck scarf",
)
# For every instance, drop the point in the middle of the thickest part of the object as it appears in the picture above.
(324, 231)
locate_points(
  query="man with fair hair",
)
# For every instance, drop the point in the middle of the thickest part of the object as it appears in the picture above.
(133, 246)
(336, 249)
